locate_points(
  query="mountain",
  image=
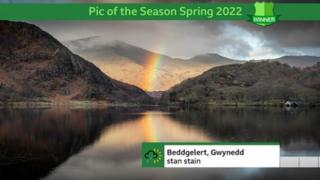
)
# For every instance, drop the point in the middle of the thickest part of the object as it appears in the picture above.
(33, 64)
(213, 59)
(128, 63)
(258, 83)
(298, 61)
(92, 47)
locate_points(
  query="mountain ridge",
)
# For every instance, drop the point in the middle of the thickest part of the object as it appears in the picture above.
(203, 57)
(251, 83)
(127, 62)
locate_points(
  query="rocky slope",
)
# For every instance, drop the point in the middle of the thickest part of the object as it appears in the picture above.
(257, 83)
(33, 64)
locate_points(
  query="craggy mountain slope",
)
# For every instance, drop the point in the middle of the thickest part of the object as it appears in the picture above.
(33, 64)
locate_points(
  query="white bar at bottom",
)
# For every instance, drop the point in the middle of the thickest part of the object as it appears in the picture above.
(288, 162)
(254, 156)
(299, 162)
(309, 162)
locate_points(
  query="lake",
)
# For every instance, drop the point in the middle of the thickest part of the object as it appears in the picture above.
(63, 143)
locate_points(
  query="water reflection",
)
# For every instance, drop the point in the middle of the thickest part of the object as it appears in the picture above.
(34, 141)
(297, 130)
(105, 143)
(118, 149)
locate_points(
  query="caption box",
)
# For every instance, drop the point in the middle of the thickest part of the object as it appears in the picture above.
(202, 155)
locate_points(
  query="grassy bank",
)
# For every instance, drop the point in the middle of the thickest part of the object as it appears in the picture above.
(48, 104)
(44, 103)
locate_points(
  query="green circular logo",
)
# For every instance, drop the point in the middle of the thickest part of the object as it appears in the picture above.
(154, 155)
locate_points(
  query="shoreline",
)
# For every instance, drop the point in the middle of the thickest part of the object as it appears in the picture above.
(105, 104)
(57, 104)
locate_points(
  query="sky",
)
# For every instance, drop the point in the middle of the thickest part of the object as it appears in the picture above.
(185, 39)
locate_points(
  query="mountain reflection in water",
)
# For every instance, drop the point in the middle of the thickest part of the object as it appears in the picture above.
(105, 143)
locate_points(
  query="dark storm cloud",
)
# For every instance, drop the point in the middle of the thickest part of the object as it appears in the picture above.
(176, 38)
(289, 33)
(295, 34)
(188, 38)
(184, 39)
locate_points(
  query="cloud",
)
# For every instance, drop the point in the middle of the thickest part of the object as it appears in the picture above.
(176, 38)
(184, 39)
(240, 40)
(289, 33)
(284, 38)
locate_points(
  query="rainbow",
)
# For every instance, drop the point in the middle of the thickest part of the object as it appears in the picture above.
(150, 72)
(149, 128)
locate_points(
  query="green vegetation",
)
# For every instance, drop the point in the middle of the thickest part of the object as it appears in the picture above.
(73, 104)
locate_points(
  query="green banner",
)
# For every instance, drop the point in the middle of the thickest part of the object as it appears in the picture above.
(163, 11)
(133, 11)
